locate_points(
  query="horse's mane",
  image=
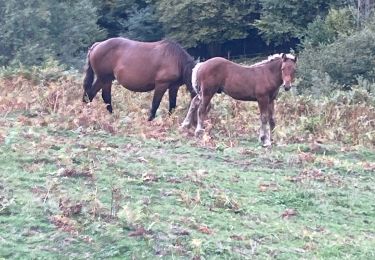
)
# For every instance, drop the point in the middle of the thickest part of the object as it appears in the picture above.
(186, 62)
(175, 49)
(272, 58)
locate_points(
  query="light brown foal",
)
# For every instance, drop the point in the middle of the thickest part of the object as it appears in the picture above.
(259, 82)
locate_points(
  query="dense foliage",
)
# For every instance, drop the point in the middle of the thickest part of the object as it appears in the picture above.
(283, 20)
(334, 38)
(338, 52)
(32, 31)
(340, 64)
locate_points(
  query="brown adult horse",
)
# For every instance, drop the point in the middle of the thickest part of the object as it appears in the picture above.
(139, 67)
(259, 82)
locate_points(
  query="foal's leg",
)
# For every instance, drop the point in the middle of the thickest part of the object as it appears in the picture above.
(172, 97)
(272, 121)
(264, 135)
(107, 97)
(202, 112)
(158, 95)
(192, 111)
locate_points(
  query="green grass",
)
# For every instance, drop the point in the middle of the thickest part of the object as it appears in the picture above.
(141, 197)
(78, 183)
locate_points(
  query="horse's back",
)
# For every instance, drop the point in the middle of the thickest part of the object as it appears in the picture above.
(104, 56)
(120, 50)
(136, 65)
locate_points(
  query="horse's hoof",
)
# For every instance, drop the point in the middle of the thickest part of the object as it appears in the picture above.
(199, 133)
(109, 108)
(266, 143)
(185, 125)
(150, 118)
(171, 111)
(85, 99)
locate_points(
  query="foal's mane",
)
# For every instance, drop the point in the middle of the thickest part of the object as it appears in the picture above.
(272, 58)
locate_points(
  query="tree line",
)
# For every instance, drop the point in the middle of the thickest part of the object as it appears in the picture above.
(34, 31)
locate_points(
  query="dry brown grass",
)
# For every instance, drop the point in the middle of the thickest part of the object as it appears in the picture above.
(58, 104)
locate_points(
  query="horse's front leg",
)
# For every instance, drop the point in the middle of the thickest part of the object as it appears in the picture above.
(194, 104)
(272, 120)
(158, 95)
(264, 133)
(172, 92)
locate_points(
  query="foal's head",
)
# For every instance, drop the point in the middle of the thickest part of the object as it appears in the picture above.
(288, 69)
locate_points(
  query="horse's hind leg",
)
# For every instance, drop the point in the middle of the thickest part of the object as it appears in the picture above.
(106, 95)
(194, 104)
(158, 95)
(202, 112)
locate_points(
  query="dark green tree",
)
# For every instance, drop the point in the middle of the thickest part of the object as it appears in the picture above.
(339, 64)
(72, 28)
(326, 30)
(191, 22)
(283, 20)
(24, 32)
(36, 29)
(143, 25)
(114, 14)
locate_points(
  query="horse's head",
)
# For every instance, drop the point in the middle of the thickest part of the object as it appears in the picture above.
(288, 69)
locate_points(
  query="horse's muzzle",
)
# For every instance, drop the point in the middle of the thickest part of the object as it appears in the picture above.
(287, 87)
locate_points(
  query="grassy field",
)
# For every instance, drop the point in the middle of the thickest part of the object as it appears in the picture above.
(77, 183)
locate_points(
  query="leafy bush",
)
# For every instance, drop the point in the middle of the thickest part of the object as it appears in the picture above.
(323, 31)
(338, 65)
(51, 70)
(281, 21)
(357, 96)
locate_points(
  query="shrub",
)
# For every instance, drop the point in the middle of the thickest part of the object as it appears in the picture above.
(338, 65)
(324, 31)
(49, 71)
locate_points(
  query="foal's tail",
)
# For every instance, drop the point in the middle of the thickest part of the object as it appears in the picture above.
(89, 75)
(194, 77)
(187, 70)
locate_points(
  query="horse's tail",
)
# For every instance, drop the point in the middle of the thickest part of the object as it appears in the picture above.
(194, 77)
(89, 78)
(89, 75)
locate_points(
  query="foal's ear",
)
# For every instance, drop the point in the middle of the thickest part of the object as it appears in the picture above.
(283, 56)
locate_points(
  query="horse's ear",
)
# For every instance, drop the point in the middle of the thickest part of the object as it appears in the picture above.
(283, 56)
(295, 59)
